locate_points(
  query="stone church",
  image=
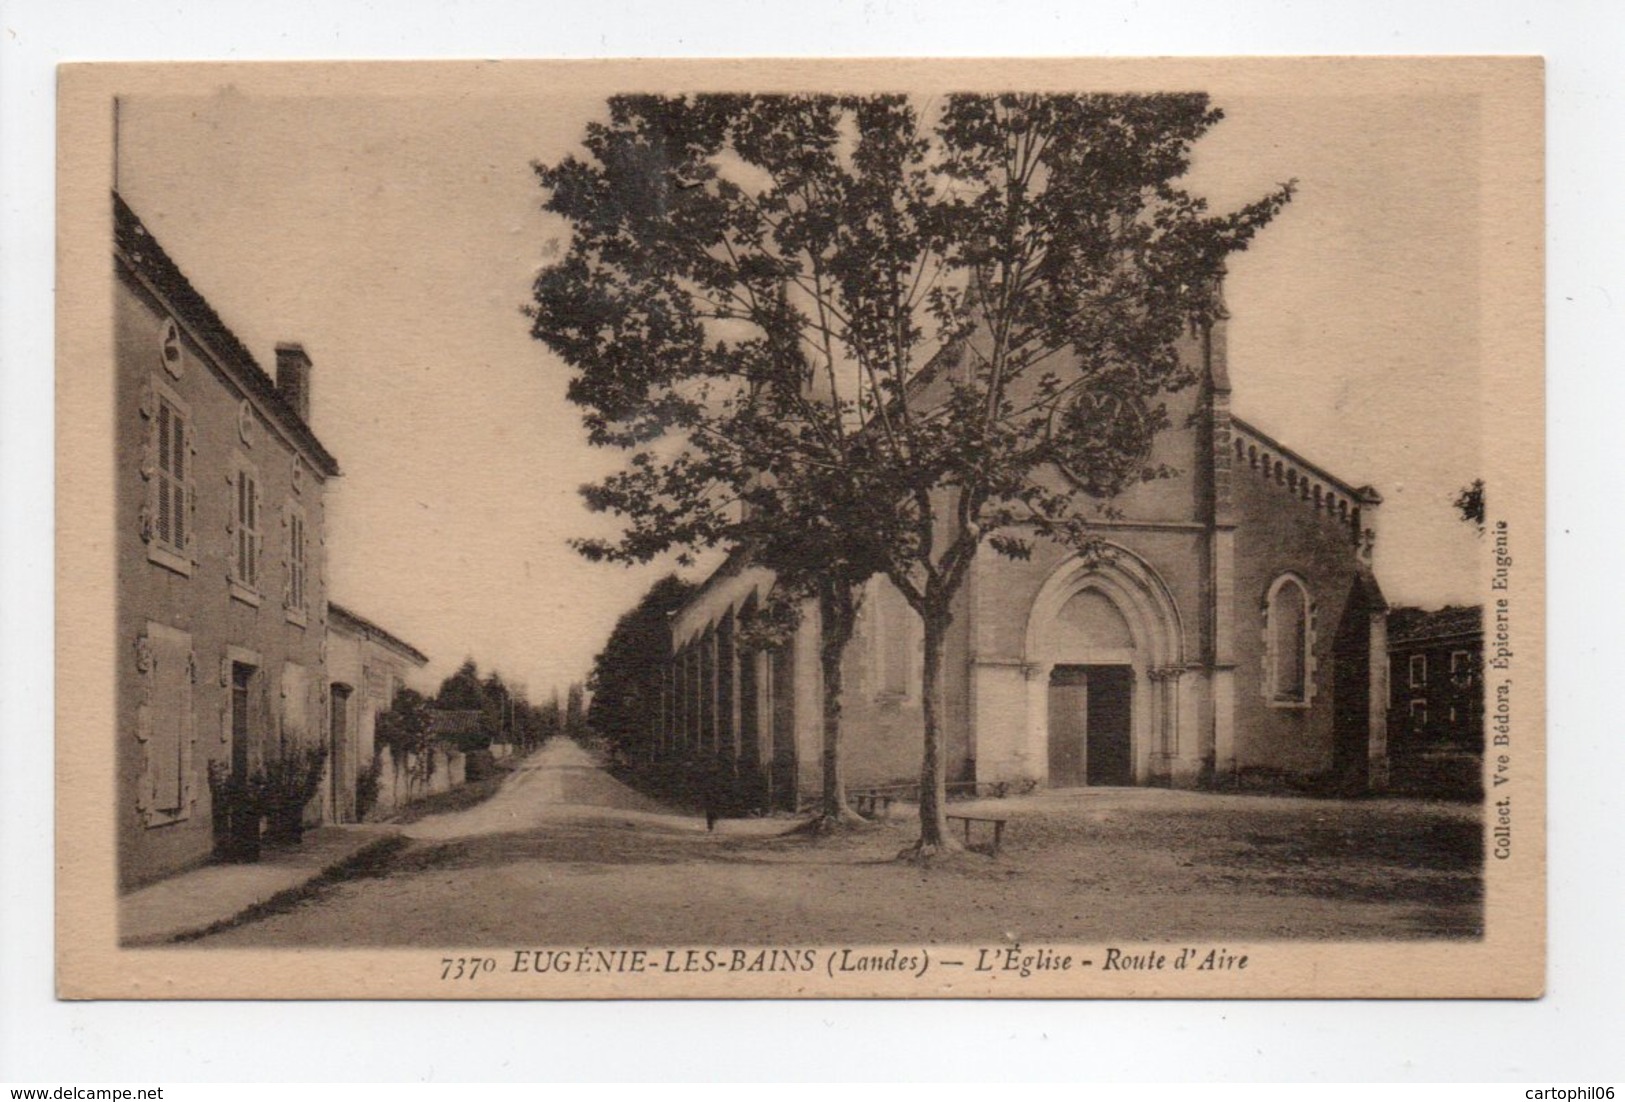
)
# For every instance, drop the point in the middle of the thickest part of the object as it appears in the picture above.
(1234, 633)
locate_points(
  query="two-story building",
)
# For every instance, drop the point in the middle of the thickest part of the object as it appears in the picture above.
(221, 557)
(1436, 714)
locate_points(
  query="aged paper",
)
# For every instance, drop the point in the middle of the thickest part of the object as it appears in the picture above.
(310, 451)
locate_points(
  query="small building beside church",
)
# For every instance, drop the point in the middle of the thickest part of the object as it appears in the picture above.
(1436, 713)
(1234, 632)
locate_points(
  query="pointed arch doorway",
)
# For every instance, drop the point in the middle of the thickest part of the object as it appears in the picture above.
(1105, 644)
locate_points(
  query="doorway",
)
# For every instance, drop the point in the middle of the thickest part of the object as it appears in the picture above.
(1090, 709)
(236, 823)
(341, 752)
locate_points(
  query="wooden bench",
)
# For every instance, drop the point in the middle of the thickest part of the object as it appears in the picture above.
(870, 802)
(998, 828)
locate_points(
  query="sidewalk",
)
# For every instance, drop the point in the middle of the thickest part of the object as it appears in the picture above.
(196, 900)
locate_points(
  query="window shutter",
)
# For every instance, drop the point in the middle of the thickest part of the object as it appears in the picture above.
(190, 487)
(171, 700)
(166, 508)
(167, 724)
(149, 462)
(287, 556)
(149, 413)
(257, 505)
(234, 551)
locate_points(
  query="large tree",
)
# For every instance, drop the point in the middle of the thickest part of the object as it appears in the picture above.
(675, 333)
(881, 328)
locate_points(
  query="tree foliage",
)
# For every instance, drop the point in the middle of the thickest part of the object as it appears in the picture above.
(462, 690)
(575, 712)
(878, 333)
(406, 729)
(1469, 503)
(627, 675)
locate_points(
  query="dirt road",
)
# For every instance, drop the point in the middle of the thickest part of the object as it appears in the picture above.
(566, 854)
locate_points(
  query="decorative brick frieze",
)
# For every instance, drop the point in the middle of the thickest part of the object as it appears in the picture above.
(1336, 502)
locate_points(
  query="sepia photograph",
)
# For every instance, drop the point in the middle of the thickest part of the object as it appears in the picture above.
(801, 529)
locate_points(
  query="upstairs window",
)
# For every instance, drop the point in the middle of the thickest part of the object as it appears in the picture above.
(171, 523)
(1419, 671)
(297, 570)
(1288, 643)
(247, 539)
(1461, 667)
(168, 512)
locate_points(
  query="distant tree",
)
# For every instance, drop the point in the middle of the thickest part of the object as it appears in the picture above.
(575, 712)
(549, 718)
(462, 691)
(1469, 503)
(529, 728)
(496, 704)
(880, 335)
(627, 679)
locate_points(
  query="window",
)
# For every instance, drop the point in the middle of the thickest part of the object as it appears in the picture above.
(1461, 667)
(167, 515)
(247, 540)
(1419, 671)
(1288, 643)
(172, 467)
(1419, 715)
(297, 571)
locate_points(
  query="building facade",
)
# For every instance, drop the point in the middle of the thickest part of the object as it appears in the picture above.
(1232, 630)
(366, 667)
(1436, 713)
(221, 560)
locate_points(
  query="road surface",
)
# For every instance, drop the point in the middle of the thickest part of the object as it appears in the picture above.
(564, 854)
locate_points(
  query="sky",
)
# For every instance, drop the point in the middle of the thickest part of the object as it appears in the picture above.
(397, 235)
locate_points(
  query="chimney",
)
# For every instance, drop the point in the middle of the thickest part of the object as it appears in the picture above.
(293, 378)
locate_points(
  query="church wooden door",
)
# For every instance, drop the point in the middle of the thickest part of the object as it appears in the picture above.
(1068, 725)
(1106, 746)
(1089, 730)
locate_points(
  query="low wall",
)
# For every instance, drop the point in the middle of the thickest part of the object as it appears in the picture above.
(413, 778)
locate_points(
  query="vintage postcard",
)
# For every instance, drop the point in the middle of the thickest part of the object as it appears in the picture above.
(779, 529)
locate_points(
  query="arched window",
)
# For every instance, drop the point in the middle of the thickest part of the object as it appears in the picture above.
(1288, 643)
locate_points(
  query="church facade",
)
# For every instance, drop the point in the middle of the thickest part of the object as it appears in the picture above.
(1232, 630)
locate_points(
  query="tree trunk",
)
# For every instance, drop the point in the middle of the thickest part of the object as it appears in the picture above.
(837, 617)
(934, 835)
